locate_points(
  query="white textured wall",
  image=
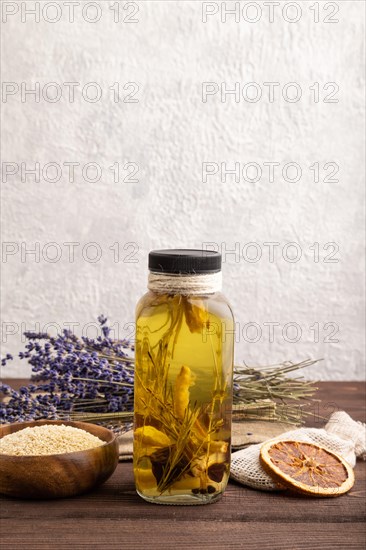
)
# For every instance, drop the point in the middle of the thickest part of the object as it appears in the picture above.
(169, 133)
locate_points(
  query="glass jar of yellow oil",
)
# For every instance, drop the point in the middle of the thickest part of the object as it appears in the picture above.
(183, 380)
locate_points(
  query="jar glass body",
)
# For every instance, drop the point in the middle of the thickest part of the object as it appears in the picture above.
(183, 397)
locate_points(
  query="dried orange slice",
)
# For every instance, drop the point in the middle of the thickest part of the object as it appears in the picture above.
(307, 468)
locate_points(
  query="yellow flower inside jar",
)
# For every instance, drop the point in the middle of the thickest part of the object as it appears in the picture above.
(183, 380)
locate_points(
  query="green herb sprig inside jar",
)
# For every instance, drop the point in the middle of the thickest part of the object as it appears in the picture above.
(183, 380)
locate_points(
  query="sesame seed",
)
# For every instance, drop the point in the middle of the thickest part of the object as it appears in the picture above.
(48, 440)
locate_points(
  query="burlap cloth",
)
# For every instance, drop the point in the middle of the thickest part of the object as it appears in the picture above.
(341, 435)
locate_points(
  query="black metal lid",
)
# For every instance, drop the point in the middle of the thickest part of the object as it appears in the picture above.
(184, 261)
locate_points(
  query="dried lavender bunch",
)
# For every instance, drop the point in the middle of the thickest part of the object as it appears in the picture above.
(71, 375)
(255, 383)
(92, 380)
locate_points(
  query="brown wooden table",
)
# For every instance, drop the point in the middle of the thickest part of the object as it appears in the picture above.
(113, 516)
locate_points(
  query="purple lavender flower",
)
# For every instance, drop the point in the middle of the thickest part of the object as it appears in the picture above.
(71, 375)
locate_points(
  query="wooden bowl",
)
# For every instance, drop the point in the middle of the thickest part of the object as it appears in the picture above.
(59, 475)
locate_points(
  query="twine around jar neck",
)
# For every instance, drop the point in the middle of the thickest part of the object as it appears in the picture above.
(192, 284)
